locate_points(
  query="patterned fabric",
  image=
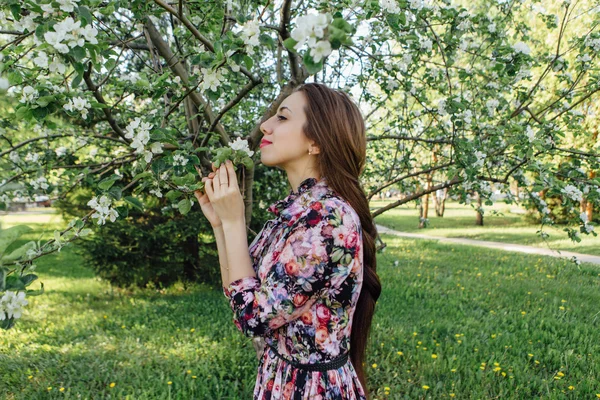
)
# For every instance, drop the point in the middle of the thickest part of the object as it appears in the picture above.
(308, 262)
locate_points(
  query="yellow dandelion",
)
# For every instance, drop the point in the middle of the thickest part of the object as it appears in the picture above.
(62, 389)
(425, 387)
(571, 387)
(30, 376)
(530, 355)
(105, 317)
(496, 364)
(122, 326)
(400, 353)
(459, 341)
(536, 361)
(193, 376)
(112, 384)
(419, 342)
(386, 388)
(453, 370)
(189, 371)
(523, 313)
(434, 356)
(561, 308)
(598, 395)
(452, 395)
(414, 333)
(497, 369)
(503, 373)
(374, 365)
(49, 388)
(564, 301)
(559, 373)
(192, 330)
(169, 383)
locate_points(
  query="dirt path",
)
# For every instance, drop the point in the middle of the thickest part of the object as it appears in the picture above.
(497, 245)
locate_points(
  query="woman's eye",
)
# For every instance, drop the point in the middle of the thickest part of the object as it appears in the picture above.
(281, 118)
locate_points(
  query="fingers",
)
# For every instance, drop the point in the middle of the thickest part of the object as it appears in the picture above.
(223, 179)
(208, 188)
(232, 176)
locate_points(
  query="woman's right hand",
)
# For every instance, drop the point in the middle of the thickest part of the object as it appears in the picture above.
(205, 204)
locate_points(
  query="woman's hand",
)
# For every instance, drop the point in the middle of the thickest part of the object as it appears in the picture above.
(224, 194)
(205, 204)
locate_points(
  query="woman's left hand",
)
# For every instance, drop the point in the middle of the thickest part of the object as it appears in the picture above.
(224, 194)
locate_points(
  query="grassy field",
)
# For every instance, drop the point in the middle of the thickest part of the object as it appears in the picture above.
(452, 322)
(459, 221)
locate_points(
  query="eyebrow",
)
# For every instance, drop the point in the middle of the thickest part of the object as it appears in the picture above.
(286, 107)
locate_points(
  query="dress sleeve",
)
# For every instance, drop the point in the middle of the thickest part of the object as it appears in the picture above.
(320, 252)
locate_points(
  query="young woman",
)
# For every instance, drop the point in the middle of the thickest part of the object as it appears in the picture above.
(307, 284)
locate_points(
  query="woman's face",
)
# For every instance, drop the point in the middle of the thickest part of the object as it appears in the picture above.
(288, 147)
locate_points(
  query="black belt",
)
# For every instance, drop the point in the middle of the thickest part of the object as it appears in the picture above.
(333, 364)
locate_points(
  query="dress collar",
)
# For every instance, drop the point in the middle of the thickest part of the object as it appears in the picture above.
(279, 207)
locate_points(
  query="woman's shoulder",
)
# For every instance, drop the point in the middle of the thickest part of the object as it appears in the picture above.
(332, 205)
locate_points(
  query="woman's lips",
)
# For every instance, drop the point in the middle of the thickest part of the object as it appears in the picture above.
(263, 144)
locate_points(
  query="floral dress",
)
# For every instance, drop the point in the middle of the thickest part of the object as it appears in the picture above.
(308, 265)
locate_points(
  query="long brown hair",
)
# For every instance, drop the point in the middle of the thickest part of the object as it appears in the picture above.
(337, 126)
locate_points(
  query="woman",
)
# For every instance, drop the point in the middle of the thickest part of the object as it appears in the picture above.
(308, 282)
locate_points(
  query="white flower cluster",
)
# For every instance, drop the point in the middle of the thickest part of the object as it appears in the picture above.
(39, 183)
(11, 305)
(572, 192)
(425, 43)
(211, 79)
(309, 29)
(480, 158)
(140, 133)
(61, 151)
(71, 33)
(103, 209)
(530, 133)
(241, 144)
(249, 34)
(593, 43)
(390, 6)
(79, 104)
(491, 106)
(521, 47)
(29, 94)
(179, 159)
(584, 218)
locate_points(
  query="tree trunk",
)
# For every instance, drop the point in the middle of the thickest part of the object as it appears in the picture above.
(479, 220)
(425, 203)
(440, 202)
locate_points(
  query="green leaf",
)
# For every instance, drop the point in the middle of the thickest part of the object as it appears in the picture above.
(85, 14)
(8, 236)
(19, 252)
(116, 192)
(2, 279)
(45, 100)
(248, 62)
(184, 206)
(134, 202)
(36, 292)
(76, 81)
(28, 279)
(289, 44)
(173, 195)
(311, 66)
(106, 183)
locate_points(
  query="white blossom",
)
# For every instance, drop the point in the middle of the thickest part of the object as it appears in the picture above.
(425, 43)
(57, 66)
(41, 60)
(521, 47)
(179, 159)
(61, 151)
(11, 305)
(4, 84)
(572, 192)
(321, 50)
(156, 192)
(241, 144)
(212, 79)
(390, 6)
(480, 158)
(39, 183)
(14, 157)
(309, 28)
(78, 104)
(250, 35)
(103, 209)
(491, 106)
(67, 5)
(530, 133)
(29, 94)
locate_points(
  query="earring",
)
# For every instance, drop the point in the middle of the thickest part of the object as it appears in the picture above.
(309, 151)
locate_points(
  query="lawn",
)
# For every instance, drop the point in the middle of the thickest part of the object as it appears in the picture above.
(459, 221)
(452, 322)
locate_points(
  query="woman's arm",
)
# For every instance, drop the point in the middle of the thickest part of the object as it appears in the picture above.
(222, 249)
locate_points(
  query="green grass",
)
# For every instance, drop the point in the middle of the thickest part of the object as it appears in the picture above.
(459, 221)
(463, 304)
